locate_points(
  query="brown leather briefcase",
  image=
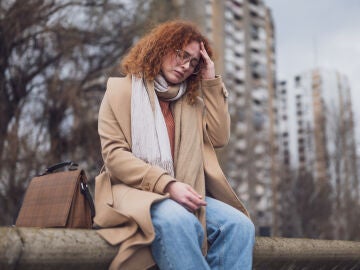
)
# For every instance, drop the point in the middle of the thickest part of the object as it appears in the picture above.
(57, 199)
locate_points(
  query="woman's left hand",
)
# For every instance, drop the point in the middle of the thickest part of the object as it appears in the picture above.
(208, 72)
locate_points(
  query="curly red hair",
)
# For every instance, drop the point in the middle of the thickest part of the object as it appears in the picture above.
(147, 55)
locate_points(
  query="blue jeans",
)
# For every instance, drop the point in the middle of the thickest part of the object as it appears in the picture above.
(179, 236)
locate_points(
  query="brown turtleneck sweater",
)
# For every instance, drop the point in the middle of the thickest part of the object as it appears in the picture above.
(170, 124)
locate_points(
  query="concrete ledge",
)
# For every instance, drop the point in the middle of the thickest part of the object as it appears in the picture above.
(32, 248)
(305, 254)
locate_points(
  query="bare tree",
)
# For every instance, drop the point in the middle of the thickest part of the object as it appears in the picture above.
(342, 163)
(305, 206)
(329, 207)
(287, 216)
(55, 59)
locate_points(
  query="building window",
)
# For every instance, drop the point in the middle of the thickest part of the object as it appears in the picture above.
(253, 14)
(286, 161)
(254, 32)
(258, 120)
(238, 81)
(237, 17)
(255, 2)
(257, 102)
(255, 75)
(241, 115)
(237, 3)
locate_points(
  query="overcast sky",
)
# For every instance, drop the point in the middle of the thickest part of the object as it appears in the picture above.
(319, 33)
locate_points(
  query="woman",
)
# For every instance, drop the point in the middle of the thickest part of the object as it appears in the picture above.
(163, 197)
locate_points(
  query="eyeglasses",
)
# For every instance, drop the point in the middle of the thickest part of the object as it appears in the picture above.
(183, 57)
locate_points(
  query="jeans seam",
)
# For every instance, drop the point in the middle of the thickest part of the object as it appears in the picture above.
(220, 228)
(214, 224)
(222, 251)
(163, 250)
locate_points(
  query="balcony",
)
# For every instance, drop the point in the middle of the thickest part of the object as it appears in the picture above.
(259, 149)
(241, 128)
(238, 2)
(240, 145)
(238, 11)
(239, 36)
(240, 75)
(239, 49)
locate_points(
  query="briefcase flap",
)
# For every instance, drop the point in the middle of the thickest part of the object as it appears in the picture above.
(48, 199)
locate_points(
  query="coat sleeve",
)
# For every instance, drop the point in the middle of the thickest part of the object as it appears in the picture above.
(122, 165)
(217, 117)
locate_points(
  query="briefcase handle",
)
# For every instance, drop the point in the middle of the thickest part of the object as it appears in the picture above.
(71, 166)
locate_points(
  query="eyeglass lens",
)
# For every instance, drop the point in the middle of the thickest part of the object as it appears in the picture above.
(183, 57)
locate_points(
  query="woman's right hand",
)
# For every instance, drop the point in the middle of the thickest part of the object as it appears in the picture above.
(185, 195)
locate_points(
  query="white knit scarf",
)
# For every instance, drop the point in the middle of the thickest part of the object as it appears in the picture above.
(150, 140)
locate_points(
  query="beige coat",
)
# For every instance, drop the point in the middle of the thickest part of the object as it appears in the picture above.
(125, 191)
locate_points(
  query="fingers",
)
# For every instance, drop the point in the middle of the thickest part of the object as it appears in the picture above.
(194, 192)
(186, 196)
(203, 52)
(192, 203)
(193, 200)
(196, 199)
(190, 206)
(209, 70)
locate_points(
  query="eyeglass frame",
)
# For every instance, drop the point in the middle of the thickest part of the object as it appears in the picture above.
(181, 60)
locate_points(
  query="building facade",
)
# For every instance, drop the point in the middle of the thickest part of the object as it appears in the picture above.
(277, 128)
(242, 34)
(324, 141)
(250, 74)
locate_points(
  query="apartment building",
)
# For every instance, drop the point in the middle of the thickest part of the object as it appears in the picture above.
(324, 141)
(242, 33)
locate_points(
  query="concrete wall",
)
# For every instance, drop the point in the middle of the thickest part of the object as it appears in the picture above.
(31, 248)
